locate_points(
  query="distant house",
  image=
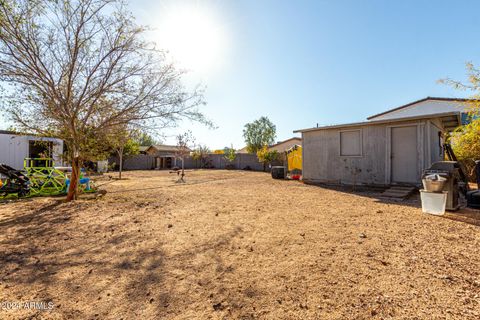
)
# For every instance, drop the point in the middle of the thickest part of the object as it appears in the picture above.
(285, 145)
(280, 146)
(243, 150)
(165, 155)
(143, 149)
(392, 147)
(15, 147)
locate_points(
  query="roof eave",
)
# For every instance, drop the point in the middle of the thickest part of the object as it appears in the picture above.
(376, 122)
(419, 101)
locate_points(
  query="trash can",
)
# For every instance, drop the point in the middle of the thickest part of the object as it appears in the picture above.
(278, 172)
(433, 202)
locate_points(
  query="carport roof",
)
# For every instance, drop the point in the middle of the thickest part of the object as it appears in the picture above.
(450, 120)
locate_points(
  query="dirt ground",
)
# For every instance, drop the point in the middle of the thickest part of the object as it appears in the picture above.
(236, 245)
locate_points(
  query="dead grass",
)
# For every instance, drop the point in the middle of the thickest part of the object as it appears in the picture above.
(239, 245)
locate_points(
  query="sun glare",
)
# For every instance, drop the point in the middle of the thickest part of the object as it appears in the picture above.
(193, 36)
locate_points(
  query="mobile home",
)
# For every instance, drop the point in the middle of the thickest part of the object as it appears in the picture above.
(15, 147)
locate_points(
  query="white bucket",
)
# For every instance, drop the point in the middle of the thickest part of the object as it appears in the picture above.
(433, 202)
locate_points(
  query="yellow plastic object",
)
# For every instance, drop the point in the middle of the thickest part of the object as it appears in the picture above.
(294, 157)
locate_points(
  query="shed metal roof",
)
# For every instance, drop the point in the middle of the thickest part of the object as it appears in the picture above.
(451, 120)
(419, 101)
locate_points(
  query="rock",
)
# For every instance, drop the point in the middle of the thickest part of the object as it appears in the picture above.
(362, 235)
(447, 277)
(218, 306)
(169, 225)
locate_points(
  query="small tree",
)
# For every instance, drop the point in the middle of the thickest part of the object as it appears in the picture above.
(122, 142)
(144, 139)
(201, 154)
(266, 156)
(259, 133)
(184, 143)
(230, 154)
(465, 140)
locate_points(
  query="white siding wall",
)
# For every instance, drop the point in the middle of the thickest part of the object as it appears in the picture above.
(322, 162)
(14, 149)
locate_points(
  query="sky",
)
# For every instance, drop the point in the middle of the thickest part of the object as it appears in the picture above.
(306, 62)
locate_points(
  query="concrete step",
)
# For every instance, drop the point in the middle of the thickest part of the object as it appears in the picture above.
(400, 188)
(398, 192)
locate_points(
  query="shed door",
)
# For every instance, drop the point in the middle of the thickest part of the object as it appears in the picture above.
(404, 155)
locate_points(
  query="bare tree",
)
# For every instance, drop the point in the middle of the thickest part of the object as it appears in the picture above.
(75, 69)
(185, 143)
(121, 140)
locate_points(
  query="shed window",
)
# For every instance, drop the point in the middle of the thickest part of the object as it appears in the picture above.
(351, 143)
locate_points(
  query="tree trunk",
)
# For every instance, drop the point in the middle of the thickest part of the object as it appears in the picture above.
(183, 167)
(74, 180)
(120, 156)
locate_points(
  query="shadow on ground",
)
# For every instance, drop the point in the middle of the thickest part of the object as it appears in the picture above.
(373, 193)
(466, 215)
(92, 268)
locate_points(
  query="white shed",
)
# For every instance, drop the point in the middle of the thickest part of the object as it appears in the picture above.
(393, 147)
(15, 147)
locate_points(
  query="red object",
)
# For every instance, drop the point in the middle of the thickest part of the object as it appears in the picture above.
(295, 177)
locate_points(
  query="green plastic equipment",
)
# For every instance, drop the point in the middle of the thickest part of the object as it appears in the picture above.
(45, 180)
